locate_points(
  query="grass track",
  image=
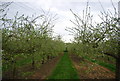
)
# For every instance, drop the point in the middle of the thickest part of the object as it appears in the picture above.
(64, 69)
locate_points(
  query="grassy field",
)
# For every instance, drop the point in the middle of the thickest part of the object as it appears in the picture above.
(64, 69)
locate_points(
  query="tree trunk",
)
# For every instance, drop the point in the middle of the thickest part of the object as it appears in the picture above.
(118, 69)
(43, 60)
(48, 57)
(14, 68)
(108, 59)
(33, 62)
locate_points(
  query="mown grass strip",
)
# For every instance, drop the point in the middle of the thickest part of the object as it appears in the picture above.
(64, 69)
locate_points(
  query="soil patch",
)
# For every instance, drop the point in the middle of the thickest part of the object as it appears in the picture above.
(45, 69)
(89, 70)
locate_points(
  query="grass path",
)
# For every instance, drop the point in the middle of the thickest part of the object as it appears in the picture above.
(64, 69)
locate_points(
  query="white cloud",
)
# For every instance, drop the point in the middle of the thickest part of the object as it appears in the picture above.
(62, 8)
(58, 1)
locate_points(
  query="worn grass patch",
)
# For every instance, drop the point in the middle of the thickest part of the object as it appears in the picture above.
(104, 64)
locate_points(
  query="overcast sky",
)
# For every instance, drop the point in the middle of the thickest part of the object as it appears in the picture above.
(62, 9)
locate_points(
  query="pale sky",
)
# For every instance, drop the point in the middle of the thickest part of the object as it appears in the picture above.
(62, 9)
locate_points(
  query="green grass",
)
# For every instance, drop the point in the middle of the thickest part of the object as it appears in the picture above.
(64, 69)
(25, 74)
(25, 60)
(111, 67)
(107, 65)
